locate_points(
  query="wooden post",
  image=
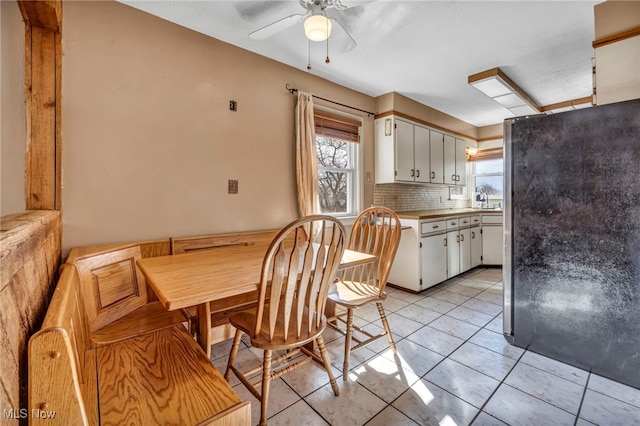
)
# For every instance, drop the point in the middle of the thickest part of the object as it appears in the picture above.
(43, 59)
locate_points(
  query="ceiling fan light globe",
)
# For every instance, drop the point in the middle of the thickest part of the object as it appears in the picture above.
(317, 27)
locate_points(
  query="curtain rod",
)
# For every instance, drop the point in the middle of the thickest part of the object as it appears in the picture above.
(294, 90)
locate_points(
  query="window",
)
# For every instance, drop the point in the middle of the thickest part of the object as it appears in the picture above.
(488, 183)
(337, 150)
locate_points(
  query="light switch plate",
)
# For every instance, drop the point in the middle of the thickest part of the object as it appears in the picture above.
(233, 186)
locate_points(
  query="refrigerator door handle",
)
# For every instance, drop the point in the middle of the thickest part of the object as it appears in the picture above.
(507, 269)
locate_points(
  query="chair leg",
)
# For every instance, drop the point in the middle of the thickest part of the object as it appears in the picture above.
(327, 365)
(347, 344)
(233, 354)
(266, 383)
(385, 324)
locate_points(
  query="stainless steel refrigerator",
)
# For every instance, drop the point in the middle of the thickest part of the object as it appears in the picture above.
(572, 238)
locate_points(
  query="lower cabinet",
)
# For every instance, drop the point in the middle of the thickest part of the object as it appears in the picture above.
(432, 251)
(476, 245)
(433, 260)
(492, 240)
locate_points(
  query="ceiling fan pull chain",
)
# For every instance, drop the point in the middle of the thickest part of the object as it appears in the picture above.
(308, 54)
(327, 60)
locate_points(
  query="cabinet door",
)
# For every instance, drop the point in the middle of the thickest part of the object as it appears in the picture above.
(404, 151)
(492, 245)
(465, 250)
(461, 162)
(433, 259)
(437, 155)
(453, 253)
(476, 246)
(421, 154)
(449, 160)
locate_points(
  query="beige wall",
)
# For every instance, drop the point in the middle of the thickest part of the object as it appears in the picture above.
(611, 17)
(149, 141)
(422, 112)
(13, 112)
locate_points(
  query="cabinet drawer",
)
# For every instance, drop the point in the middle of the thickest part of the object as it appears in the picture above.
(456, 222)
(429, 227)
(492, 218)
(475, 220)
(464, 221)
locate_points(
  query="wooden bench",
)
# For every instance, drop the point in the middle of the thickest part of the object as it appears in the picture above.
(158, 377)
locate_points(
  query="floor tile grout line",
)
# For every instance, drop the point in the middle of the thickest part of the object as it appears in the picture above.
(584, 394)
(496, 390)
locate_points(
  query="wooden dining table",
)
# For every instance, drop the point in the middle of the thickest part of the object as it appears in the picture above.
(201, 277)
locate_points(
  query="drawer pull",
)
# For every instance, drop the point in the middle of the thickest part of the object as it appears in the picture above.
(435, 227)
(433, 175)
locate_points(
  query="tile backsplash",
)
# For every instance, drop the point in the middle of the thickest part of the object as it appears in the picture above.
(407, 197)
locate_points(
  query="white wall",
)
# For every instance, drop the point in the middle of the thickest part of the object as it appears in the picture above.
(12, 109)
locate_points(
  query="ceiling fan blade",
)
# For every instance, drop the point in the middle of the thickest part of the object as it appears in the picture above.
(275, 27)
(346, 4)
(341, 39)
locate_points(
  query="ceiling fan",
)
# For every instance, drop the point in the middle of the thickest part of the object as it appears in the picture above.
(317, 24)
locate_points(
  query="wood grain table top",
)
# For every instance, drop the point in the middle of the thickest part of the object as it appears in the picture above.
(190, 279)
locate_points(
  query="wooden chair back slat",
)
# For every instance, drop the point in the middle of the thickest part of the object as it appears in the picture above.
(298, 272)
(376, 231)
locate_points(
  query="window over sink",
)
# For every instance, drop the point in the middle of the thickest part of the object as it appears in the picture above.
(338, 152)
(488, 183)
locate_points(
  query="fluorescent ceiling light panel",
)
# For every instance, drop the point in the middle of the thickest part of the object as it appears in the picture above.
(495, 84)
(509, 101)
(492, 87)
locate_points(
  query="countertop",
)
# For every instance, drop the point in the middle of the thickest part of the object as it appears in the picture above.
(434, 214)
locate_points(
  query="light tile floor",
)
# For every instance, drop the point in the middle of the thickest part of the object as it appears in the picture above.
(453, 367)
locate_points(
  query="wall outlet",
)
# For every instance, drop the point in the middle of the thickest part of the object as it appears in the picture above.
(233, 186)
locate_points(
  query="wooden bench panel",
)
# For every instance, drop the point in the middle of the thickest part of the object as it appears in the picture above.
(208, 242)
(61, 364)
(168, 380)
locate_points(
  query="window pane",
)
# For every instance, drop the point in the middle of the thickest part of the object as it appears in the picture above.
(489, 166)
(332, 153)
(490, 185)
(332, 191)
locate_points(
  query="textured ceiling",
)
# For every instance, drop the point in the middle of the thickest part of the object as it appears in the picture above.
(424, 50)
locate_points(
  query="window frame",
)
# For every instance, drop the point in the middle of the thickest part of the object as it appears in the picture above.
(354, 200)
(473, 175)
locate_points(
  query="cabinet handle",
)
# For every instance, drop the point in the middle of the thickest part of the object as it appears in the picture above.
(465, 221)
(462, 237)
(412, 173)
(453, 178)
(433, 175)
(445, 242)
(417, 173)
(473, 235)
(457, 238)
(435, 227)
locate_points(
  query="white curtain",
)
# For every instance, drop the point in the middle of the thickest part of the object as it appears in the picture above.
(306, 160)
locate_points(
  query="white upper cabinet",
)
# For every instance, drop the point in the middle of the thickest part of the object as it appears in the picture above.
(421, 153)
(437, 156)
(409, 152)
(454, 161)
(404, 167)
(402, 151)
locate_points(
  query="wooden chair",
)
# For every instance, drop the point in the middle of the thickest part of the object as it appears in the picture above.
(375, 231)
(220, 310)
(296, 272)
(115, 297)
